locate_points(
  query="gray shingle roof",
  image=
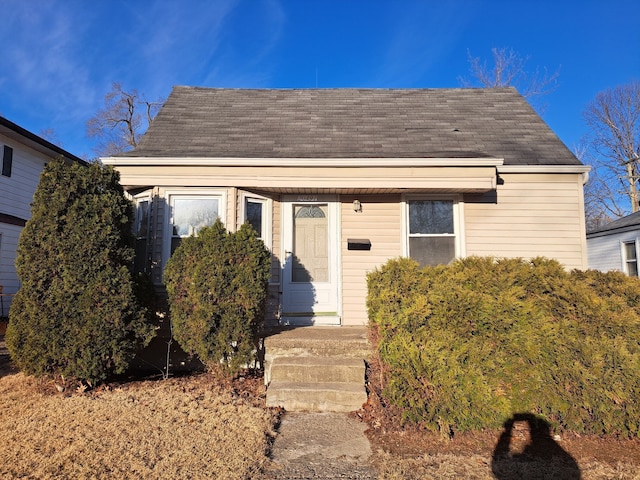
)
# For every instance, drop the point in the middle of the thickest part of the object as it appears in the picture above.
(352, 123)
(628, 222)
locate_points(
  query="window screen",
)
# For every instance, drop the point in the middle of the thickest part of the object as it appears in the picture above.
(431, 232)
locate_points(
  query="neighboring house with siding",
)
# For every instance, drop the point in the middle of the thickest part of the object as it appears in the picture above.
(338, 181)
(616, 246)
(23, 155)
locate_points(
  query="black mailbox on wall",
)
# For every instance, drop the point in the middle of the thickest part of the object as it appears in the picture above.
(358, 244)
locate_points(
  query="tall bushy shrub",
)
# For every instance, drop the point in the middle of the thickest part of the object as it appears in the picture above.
(468, 345)
(217, 287)
(76, 312)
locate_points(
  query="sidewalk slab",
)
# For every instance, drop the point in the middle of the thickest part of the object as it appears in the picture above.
(321, 445)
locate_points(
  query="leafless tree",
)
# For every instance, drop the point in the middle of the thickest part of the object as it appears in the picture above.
(118, 127)
(614, 148)
(509, 70)
(601, 204)
(50, 135)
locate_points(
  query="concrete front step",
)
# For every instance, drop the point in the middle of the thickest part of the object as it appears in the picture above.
(316, 396)
(320, 341)
(317, 369)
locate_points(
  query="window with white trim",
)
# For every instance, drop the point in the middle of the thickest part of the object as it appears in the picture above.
(254, 213)
(630, 258)
(432, 234)
(257, 211)
(189, 213)
(141, 227)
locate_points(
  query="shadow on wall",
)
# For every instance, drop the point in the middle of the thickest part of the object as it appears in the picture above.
(526, 451)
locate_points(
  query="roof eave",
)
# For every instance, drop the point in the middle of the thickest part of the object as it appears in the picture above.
(304, 162)
(36, 142)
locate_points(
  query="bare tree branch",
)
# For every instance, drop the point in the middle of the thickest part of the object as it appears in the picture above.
(509, 70)
(614, 142)
(119, 125)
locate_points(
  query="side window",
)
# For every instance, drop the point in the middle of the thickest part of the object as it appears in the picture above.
(255, 214)
(431, 231)
(190, 213)
(141, 227)
(7, 161)
(257, 211)
(630, 258)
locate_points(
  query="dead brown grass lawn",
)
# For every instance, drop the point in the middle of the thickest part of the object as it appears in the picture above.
(164, 429)
(476, 467)
(405, 457)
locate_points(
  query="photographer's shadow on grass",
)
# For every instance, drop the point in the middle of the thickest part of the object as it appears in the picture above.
(526, 451)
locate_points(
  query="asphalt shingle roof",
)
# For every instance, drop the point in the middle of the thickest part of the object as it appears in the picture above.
(632, 220)
(352, 123)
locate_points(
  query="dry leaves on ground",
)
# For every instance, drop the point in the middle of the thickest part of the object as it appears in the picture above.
(163, 429)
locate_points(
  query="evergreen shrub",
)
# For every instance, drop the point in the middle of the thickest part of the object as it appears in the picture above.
(76, 312)
(217, 288)
(467, 346)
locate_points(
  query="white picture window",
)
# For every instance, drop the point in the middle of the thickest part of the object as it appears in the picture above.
(630, 258)
(188, 213)
(432, 234)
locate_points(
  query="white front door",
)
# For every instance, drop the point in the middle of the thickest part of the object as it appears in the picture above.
(310, 269)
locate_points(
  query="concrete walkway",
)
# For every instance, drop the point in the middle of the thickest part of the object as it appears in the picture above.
(320, 446)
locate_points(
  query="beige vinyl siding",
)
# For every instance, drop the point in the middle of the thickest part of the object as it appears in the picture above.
(379, 222)
(276, 241)
(535, 215)
(273, 301)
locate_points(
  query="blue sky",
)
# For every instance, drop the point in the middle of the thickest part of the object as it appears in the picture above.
(58, 58)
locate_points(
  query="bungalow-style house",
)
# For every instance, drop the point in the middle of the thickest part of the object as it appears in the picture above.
(23, 155)
(338, 181)
(616, 246)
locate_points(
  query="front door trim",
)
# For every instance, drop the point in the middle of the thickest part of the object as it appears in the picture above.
(327, 298)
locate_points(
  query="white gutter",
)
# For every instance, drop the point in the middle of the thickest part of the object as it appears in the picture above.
(302, 162)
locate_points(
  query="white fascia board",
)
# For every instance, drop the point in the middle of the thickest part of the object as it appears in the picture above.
(543, 168)
(302, 162)
(583, 170)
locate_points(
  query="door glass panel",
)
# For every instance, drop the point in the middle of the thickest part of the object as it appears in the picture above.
(310, 255)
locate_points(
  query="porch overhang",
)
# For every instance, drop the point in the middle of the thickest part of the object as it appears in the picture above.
(314, 175)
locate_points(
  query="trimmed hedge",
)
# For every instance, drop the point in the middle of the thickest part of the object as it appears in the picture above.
(217, 286)
(469, 345)
(77, 311)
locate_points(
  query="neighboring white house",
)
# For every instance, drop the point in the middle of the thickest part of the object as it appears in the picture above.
(616, 246)
(23, 155)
